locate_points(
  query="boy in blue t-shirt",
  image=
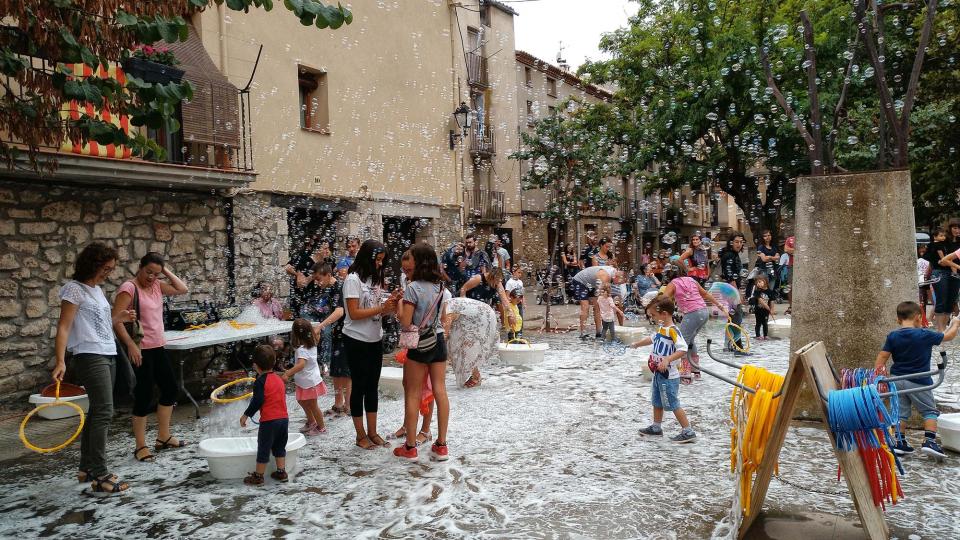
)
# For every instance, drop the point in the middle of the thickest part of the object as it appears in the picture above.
(911, 346)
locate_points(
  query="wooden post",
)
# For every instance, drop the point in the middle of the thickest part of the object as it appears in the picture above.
(812, 359)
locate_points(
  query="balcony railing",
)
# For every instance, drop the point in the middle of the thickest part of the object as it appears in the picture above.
(216, 122)
(484, 207)
(477, 74)
(482, 141)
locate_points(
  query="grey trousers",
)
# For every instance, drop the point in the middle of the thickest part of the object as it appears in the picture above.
(689, 327)
(96, 373)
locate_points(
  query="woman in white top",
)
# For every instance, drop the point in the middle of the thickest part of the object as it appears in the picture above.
(85, 329)
(365, 304)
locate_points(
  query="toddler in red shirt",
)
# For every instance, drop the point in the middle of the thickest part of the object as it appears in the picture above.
(270, 398)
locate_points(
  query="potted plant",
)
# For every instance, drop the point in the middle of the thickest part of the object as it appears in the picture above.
(153, 64)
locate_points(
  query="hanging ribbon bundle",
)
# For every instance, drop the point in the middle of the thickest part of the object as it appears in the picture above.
(748, 437)
(860, 421)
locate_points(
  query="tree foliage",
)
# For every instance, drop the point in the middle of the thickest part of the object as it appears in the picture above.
(697, 111)
(570, 153)
(40, 38)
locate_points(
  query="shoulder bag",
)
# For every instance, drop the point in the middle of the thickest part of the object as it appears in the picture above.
(419, 338)
(135, 328)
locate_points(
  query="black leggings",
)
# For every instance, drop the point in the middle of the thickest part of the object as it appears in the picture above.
(365, 360)
(155, 369)
(762, 318)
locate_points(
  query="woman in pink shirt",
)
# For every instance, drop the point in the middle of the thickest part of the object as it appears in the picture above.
(691, 301)
(144, 294)
(270, 307)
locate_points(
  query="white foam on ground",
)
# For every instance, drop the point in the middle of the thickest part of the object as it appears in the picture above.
(544, 450)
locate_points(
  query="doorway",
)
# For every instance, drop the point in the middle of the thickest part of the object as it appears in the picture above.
(399, 233)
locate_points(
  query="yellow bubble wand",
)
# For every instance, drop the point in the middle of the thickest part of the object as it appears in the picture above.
(55, 403)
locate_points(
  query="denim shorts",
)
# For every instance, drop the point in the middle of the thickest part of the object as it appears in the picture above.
(923, 401)
(272, 439)
(665, 393)
(580, 291)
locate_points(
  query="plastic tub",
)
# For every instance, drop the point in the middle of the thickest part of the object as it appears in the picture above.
(779, 328)
(391, 381)
(629, 334)
(516, 354)
(230, 458)
(62, 411)
(948, 426)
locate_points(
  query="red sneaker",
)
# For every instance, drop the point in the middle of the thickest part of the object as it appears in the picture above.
(406, 452)
(439, 452)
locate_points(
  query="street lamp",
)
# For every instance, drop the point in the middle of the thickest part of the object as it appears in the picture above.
(464, 118)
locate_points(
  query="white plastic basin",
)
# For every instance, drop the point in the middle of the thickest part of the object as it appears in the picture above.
(948, 426)
(60, 411)
(779, 328)
(391, 381)
(230, 458)
(629, 334)
(516, 354)
(639, 357)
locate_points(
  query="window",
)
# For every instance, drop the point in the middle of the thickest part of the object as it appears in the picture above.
(528, 77)
(530, 117)
(551, 87)
(314, 105)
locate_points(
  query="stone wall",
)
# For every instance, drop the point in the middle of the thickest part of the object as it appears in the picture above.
(43, 228)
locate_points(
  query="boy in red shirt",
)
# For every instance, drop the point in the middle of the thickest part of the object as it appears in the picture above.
(270, 398)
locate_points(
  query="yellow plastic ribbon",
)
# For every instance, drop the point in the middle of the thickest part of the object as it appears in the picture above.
(761, 412)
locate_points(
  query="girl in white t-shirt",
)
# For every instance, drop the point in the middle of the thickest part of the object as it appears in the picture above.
(306, 374)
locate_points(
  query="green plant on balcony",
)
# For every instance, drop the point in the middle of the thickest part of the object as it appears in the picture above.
(158, 55)
(41, 41)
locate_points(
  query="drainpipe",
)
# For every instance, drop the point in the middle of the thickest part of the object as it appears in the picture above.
(231, 250)
(222, 31)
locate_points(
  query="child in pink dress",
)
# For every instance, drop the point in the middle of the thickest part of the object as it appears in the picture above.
(608, 313)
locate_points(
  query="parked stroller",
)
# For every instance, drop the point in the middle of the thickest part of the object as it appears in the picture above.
(550, 286)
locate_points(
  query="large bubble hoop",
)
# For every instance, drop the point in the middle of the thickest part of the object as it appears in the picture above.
(55, 403)
(215, 395)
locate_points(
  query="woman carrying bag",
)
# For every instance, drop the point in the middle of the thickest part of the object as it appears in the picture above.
(144, 342)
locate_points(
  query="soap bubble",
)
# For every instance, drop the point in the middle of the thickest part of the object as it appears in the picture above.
(669, 239)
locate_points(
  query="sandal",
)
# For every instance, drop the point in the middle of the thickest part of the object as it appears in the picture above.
(369, 444)
(149, 458)
(254, 479)
(423, 437)
(84, 476)
(471, 382)
(399, 434)
(108, 484)
(378, 440)
(163, 445)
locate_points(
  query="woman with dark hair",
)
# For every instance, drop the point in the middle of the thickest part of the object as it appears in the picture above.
(767, 258)
(300, 268)
(487, 287)
(603, 256)
(84, 329)
(947, 290)
(691, 300)
(363, 335)
(423, 304)
(571, 265)
(731, 268)
(144, 294)
(697, 260)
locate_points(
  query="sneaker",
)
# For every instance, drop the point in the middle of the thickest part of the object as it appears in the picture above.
(684, 437)
(316, 430)
(406, 452)
(254, 479)
(307, 427)
(439, 452)
(902, 448)
(652, 431)
(932, 449)
(279, 475)
(584, 337)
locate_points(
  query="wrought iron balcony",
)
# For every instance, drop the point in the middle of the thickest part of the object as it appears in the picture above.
(477, 74)
(484, 207)
(482, 142)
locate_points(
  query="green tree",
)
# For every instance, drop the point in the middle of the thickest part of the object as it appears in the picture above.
(570, 153)
(39, 37)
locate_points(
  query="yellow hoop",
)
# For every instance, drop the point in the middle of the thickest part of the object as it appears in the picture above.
(214, 396)
(743, 335)
(55, 403)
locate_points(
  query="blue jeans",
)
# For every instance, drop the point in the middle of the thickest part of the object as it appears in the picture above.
(665, 392)
(945, 291)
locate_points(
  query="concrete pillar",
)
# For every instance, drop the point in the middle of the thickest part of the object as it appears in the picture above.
(855, 261)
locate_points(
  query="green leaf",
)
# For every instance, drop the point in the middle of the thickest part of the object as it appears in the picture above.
(68, 37)
(89, 58)
(125, 19)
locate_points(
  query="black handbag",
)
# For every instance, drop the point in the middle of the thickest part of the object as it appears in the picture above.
(135, 328)
(126, 379)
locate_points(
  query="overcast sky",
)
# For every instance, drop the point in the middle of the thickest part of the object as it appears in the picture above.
(543, 24)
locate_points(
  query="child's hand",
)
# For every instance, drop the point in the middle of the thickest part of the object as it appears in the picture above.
(243, 421)
(663, 366)
(634, 345)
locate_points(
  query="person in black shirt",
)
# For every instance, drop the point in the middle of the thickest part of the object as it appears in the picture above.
(947, 289)
(730, 270)
(589, 251)
(767, 258)
(763, 306)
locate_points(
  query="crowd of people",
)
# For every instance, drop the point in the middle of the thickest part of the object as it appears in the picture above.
(450, 306)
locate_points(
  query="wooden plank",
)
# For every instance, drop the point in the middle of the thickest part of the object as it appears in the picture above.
(814, 358)
(792, 384)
